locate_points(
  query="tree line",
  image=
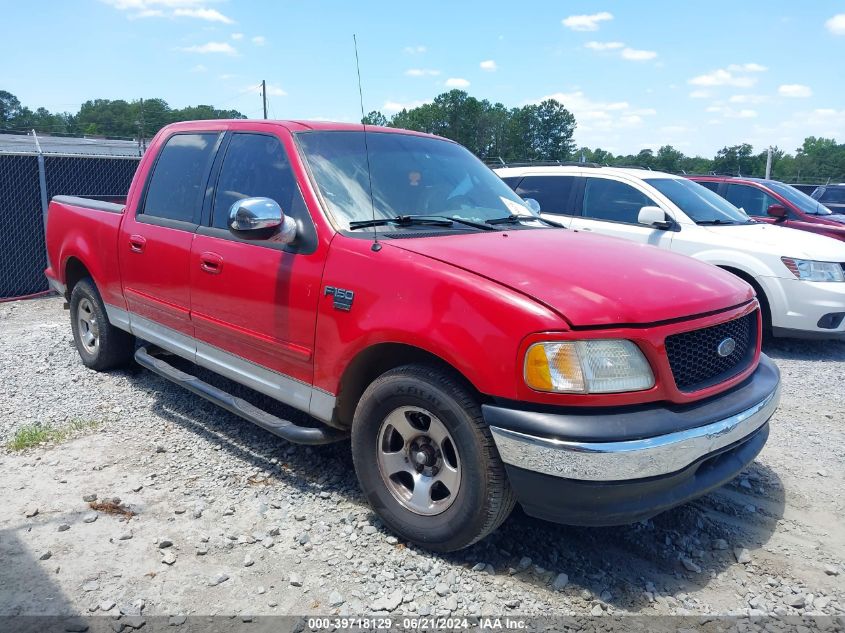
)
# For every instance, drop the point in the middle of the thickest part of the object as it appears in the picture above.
(494, 132)
(104, 117)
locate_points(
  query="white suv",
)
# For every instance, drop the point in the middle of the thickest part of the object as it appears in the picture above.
(799, 276)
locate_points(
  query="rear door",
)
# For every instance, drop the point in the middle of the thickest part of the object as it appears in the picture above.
(611, 207)
(254, 302)
(155, 241)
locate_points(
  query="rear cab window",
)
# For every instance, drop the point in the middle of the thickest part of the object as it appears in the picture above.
(177, 184)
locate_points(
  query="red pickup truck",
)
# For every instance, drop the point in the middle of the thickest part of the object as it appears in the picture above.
(391, 286)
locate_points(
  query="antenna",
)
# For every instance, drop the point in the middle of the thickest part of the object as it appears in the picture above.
(376, 247)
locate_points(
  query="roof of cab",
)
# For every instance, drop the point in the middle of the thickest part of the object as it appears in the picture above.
(292, 125)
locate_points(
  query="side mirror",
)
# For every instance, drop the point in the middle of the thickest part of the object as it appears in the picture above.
(532, 205)
(654, 216)
(777, 211)
(260, 219)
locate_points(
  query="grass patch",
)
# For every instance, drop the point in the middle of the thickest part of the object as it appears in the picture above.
(35, 434)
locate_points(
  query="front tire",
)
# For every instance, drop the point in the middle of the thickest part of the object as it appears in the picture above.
(426, 460)
(101, 346)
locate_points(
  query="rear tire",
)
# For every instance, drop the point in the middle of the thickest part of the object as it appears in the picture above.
(101, 346)
(426, 460)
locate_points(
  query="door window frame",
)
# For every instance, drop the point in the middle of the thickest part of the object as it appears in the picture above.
(580, 203)
(306, 242)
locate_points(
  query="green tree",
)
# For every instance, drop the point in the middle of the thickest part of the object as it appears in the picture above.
(375, 118)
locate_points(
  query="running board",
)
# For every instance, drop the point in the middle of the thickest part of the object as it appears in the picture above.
(283, 428)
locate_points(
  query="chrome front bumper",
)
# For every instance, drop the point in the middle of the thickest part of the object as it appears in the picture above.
(631, 459)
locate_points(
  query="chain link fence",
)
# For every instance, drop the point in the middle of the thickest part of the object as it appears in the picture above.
(28, 180)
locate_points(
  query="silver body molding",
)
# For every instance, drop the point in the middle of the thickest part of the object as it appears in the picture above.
(57, 285)
(281, 387)
(634, 459)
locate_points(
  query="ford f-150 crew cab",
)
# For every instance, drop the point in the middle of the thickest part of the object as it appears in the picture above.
(391, 286)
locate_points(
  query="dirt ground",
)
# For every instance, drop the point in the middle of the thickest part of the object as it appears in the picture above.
(228, 519)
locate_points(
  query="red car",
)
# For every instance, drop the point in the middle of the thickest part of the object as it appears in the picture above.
(775, 202)
(391, 287)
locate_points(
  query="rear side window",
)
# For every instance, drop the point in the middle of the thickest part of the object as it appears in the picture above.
(512, 181)
(552, 192)
(833, 194)
(753, 201)
(176, 188)
(256, 165)
(613, 200)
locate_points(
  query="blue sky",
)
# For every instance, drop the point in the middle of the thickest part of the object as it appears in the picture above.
(636, 74)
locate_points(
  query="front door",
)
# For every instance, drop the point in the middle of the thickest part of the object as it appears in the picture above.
(611, 207)
(254, 302)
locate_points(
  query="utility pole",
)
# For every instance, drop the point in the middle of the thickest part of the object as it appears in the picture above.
(141, 142)
(264, 96)
(769, 163)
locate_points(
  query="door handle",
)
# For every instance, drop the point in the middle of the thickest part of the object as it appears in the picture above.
(211, 263)
(137, 243)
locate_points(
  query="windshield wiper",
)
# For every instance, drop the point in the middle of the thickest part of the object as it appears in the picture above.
(516, 219)
(401, 220)
(720, 222)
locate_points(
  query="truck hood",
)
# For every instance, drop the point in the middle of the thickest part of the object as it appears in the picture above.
(780, 241)
(589, 280)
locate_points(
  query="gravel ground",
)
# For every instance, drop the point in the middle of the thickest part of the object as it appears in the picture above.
(229, 519)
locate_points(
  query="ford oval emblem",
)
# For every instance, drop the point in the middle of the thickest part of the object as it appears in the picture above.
(726, 347)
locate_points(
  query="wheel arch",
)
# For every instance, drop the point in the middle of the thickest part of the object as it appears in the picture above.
(372, 362)
(75, 271)
(765, 305)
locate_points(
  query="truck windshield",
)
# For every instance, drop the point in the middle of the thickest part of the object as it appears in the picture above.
(701, 204)
(800, 199)
(411, 175)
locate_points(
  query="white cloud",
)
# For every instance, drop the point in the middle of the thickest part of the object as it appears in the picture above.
(586, 22)
(275, 90)
(723, 77)
(259, 40)
(392, 107)
(414, 50)
(748, 99)
(489, 65)
(836, 24)
(199, 68)
(169, 8)
(237, 36)
(211, 47)
(226, 77)
(210, 15)
(146, 13)
(634, 55)
(747, 68)
(457, 82)
(730, 113)
(422, 72)
(700, 94)
(795, 90)
(604, 46)
(600, 116)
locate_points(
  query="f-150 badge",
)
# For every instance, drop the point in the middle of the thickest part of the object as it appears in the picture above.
(342, 297)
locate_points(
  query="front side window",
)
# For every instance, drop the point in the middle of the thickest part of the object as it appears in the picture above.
(552, 192)
(700, 204)
(255, 166)
(752, 200)
(177, 185)
(410, 175)
(613, 200)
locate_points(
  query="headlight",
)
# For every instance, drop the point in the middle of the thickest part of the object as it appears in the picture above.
(814, 271)
(592, 366)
